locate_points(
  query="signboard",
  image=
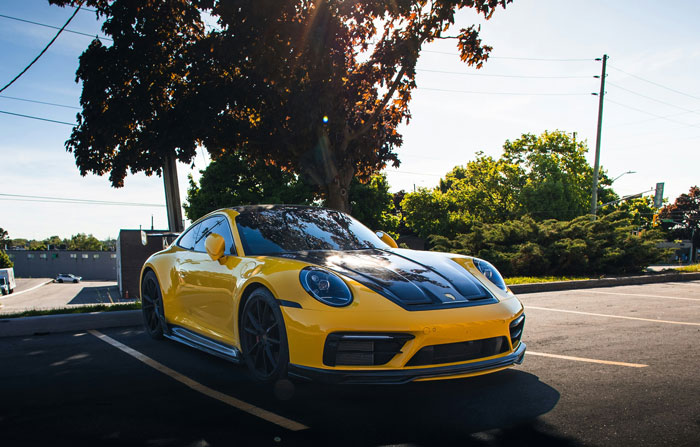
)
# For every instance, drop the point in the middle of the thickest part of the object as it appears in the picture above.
(659, 195)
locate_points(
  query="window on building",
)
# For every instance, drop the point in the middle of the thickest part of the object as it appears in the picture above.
(73, 255)
(95, 256)
(30, 255)
(113, 256)
(85, 255)
(42, 255)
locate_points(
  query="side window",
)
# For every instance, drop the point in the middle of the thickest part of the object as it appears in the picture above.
(218, 225)
(188, 239)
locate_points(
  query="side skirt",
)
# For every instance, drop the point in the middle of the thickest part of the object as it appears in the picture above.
(202, 343)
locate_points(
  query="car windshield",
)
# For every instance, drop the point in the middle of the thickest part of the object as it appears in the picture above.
(284, 230)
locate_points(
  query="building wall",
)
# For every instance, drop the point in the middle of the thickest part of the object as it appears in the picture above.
(90, 265)
(132, 254)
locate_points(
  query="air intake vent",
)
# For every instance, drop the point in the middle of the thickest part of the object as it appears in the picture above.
(516, 330)
(459, 352)
(361, 349)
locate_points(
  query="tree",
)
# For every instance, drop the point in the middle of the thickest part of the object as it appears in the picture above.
(4, 235)
(545, 177)
(681, 219)
(317, 87)
(373, 204)
(233, 179)
(84, 242)
(5, 261)
(557, 177)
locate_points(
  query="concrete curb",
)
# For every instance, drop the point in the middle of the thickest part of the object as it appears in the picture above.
(48, 324)
(604, 282)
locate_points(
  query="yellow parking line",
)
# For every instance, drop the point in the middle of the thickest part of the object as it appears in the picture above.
(225, 398)
(584, 359)
(683, 323)
(641, 295)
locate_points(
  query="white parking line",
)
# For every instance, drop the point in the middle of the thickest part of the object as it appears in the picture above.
(584, 359)
(683, 323)
(225, 398)
(640, 295)
(25, 291)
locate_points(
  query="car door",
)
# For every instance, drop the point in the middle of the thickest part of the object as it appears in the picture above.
(206, 287)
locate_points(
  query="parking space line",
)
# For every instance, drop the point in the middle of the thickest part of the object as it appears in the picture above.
(225, 398)
(683, 323)
(584, 359)
(640, 295)
(28, 290)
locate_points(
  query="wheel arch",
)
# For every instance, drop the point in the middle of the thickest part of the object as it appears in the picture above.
(247, 291)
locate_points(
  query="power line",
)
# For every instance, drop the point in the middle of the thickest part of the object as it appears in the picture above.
(539, 59)
(656, 83)
(42, 51)
(501, 75)
(40, 102)
(37, 118)
(650, 98)
(501, 93)
(27, 198)
(54, 27)
(652, 114)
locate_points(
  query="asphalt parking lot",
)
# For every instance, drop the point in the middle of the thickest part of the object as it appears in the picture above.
(41, 293)
(611, 366)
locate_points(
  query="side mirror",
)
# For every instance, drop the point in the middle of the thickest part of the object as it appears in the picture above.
(388, 240)
(215, 246)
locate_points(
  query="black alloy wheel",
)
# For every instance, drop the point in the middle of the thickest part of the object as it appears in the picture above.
(152, 306)
(264, 337)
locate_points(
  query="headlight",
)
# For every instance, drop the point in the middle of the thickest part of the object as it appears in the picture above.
(325, 286)
(490, 272)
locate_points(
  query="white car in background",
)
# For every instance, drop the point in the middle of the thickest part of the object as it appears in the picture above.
(67, 277)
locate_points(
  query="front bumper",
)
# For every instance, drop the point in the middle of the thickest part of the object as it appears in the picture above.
(399, 376)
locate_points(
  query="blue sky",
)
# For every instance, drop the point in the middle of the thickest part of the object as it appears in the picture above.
(651, 119)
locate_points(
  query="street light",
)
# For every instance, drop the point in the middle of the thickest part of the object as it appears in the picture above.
(628, 172)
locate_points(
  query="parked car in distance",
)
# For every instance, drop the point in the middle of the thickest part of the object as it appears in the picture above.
(67, 277)
(7, 280)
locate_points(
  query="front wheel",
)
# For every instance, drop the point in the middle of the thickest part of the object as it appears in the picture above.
(152, 306)
(264, 337)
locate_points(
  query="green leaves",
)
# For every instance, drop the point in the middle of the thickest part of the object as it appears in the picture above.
(526, 247)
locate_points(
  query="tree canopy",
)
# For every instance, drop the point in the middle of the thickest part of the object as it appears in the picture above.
(317, 87)
(681, 219)
(544, 176)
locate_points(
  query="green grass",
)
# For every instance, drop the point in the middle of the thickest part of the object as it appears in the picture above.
(536, 279)
(688, 268)
(74, 310)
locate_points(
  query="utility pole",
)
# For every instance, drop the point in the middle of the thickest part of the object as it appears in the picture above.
(172, 195)
(596, 166)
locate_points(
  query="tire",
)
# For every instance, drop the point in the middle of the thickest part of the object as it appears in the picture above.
(152, 306)
(75, 281)
(264, 337)
(60, 281)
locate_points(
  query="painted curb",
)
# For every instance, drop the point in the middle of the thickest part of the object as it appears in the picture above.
(605, 282)
(49, 324)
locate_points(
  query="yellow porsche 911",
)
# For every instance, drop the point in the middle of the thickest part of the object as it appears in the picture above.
(310, 293)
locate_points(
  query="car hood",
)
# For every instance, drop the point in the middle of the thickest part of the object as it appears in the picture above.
(413, 279)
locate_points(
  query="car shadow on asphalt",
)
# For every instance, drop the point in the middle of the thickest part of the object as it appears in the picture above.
(496, 409)
(97, 295)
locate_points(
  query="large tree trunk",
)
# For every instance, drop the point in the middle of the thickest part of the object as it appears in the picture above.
(337, 196)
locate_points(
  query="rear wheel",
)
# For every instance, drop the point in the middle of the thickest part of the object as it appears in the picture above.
(152, 306)
(60, 280)
(264, 337)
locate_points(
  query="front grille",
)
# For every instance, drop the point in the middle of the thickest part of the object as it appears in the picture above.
(459, 352)
(362, 349)
(516, 330)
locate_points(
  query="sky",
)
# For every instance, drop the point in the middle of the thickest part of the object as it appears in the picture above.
(540, 77)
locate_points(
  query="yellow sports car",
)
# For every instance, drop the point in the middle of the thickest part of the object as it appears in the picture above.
(311, 293)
